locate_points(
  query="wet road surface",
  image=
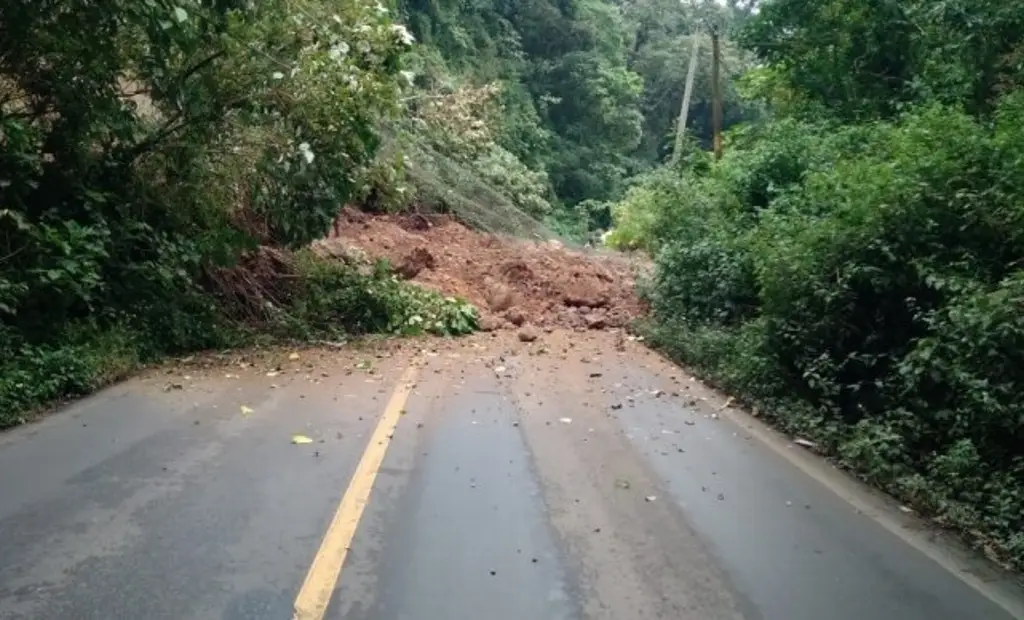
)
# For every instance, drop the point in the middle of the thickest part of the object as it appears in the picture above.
(577, 477)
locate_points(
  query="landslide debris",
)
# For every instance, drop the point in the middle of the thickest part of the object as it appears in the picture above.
(513, 282)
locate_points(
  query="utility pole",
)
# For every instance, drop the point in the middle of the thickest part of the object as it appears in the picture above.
(716, 92)
(685, 108)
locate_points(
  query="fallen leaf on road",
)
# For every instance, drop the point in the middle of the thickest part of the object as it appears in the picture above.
(272, 373)
(565, 420)
(499, 369)
(806, 443)
(173, 386)
(728, 402)
(293, 356)
(622, 484)
(247, 411)
(301, 439)
(651, 498)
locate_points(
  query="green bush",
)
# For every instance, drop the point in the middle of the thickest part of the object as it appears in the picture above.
(81, 360)
(871, 301)
(338, 299)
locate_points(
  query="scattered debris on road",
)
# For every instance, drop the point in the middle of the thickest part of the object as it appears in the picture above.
(301, 439)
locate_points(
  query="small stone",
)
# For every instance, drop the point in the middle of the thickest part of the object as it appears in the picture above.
(527, 335)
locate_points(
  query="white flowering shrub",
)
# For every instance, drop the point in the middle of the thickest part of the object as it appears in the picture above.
(310, 130)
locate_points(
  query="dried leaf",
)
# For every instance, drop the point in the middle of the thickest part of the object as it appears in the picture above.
(301, 439)
(247, 411)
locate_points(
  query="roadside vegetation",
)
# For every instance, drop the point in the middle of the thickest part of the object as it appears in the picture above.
(853, 267)
(164, 164)
(160, 164)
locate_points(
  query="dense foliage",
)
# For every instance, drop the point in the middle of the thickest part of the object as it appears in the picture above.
(854, 266)
(584, 94)
(145, 146)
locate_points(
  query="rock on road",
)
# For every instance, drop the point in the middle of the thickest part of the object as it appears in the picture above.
(575, 477)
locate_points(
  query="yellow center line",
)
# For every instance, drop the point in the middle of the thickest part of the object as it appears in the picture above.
(315, 594)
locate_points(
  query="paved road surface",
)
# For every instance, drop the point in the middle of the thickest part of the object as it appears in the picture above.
(509, 482)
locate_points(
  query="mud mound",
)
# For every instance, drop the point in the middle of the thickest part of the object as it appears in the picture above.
(513, 282)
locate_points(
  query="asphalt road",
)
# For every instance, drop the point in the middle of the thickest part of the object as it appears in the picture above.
(577, 477)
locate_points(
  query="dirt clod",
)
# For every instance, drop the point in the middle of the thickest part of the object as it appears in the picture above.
(515, 317)
(415, 262)
(527, 335)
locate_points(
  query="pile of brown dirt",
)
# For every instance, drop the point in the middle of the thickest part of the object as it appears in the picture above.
(513, 282)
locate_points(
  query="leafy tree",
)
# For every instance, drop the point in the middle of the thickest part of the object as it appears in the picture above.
(144, 145)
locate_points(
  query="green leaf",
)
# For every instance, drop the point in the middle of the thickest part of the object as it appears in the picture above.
(180, 14)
